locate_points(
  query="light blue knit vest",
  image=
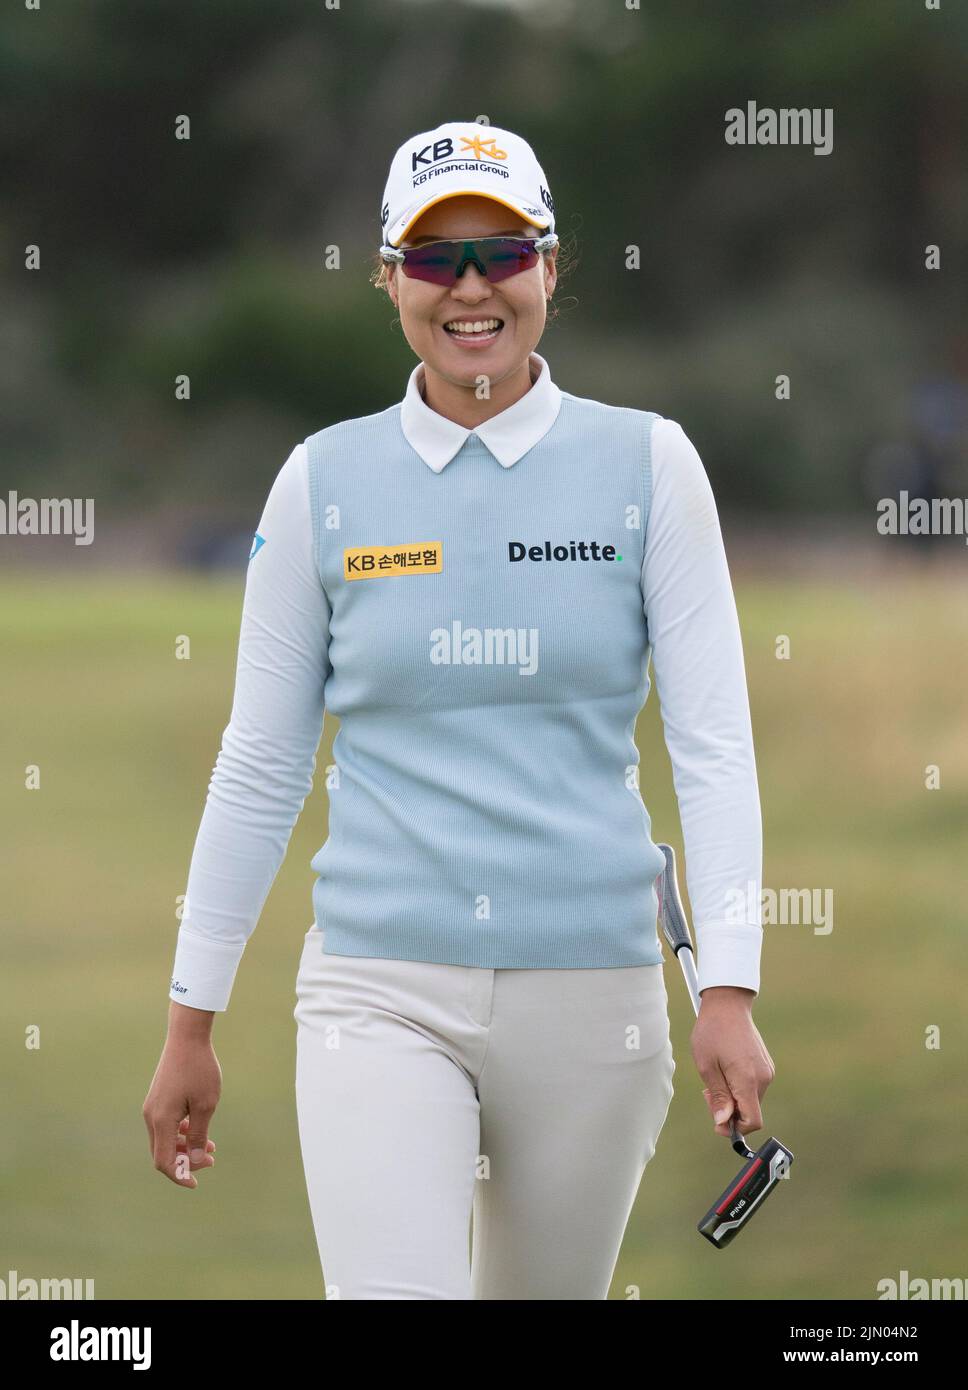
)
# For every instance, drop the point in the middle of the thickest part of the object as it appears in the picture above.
(488, 659)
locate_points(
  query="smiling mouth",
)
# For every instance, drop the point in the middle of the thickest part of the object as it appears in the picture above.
(473, 330)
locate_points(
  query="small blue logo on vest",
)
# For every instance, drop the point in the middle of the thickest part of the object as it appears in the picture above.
(257, 543)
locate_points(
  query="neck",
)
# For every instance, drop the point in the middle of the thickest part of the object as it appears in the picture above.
(461, 404)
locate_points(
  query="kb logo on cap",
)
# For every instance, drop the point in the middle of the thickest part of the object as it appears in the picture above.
(443, 149)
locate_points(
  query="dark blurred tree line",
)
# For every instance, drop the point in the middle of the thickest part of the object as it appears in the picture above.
(205, 258)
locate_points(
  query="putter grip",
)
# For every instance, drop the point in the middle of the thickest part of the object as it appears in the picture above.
(672, 915)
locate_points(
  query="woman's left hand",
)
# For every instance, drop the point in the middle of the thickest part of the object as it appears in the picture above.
(731, 1058)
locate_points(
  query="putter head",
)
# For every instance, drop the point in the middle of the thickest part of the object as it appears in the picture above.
(746, 1193)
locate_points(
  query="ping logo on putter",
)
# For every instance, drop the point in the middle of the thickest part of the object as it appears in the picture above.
(745, 1195)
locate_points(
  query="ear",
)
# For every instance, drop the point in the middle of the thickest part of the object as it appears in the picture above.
(551, 271)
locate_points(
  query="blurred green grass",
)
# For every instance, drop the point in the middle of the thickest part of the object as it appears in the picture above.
(125, 737)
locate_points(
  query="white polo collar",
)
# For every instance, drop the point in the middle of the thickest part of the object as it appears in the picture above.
(508, 435)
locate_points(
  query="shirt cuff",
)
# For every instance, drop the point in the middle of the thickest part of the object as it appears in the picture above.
(204, 971)
(729, 955)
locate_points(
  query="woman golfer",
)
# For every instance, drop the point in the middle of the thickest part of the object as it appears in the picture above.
(473, 581)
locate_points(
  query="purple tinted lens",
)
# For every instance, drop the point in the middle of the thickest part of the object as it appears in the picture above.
(509, 257)
(438, 261)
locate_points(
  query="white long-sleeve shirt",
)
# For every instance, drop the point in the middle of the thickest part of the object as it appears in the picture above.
(300, 640)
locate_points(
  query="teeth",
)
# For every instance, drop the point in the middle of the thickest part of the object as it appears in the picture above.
(477, 326)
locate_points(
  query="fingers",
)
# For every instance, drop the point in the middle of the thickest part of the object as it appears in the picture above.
(748, 1116)
(195, 1152)
(719, 1098)
(180, 1146)
(164, 1132)
(733, 1061)
(182, 1135)
(741, 1104)
(721, 1104)
(184, 1161)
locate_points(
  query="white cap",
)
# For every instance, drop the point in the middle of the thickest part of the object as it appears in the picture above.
(463, 157)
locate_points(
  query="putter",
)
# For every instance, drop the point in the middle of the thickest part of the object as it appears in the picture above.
(763, 1170)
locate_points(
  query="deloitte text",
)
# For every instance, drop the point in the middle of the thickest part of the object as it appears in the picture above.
(574, 550)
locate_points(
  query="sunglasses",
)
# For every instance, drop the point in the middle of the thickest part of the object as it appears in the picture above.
(496, 257)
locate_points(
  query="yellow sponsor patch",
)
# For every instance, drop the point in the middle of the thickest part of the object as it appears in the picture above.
(390, 561)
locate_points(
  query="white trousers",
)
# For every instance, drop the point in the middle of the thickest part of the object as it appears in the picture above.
(425, 1093)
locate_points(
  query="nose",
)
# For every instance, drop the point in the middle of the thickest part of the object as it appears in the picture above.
(471, 286)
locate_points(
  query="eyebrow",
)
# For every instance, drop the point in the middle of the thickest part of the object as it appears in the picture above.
(511, 231)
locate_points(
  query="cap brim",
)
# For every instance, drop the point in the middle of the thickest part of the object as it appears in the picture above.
(465, 193)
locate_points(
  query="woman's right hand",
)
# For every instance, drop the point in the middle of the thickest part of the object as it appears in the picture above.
(184, 1092)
